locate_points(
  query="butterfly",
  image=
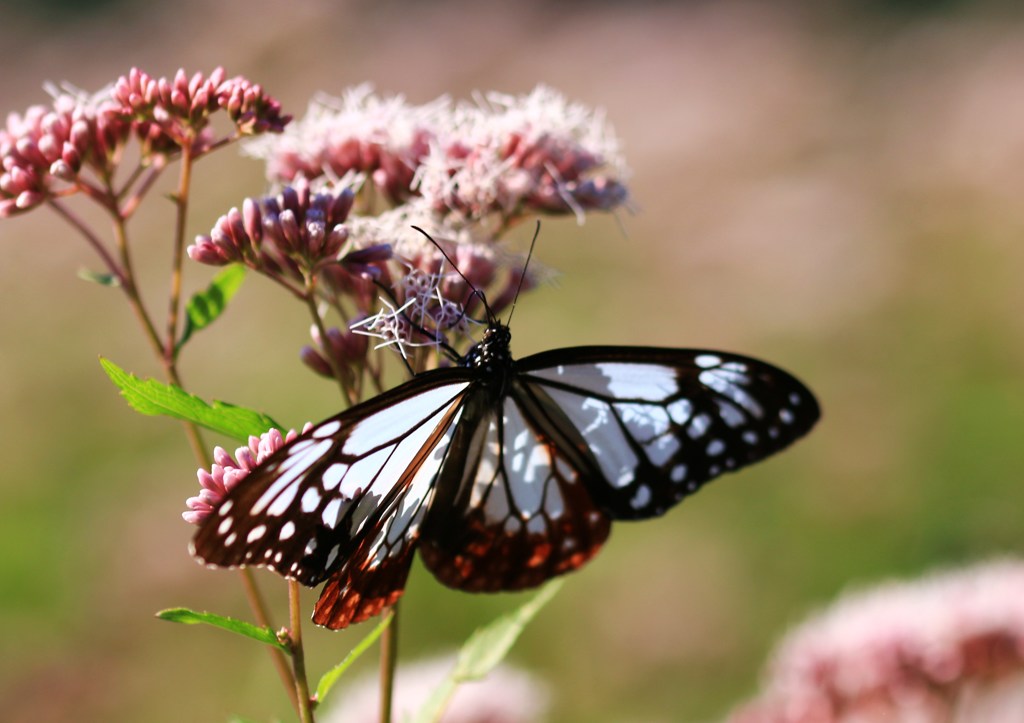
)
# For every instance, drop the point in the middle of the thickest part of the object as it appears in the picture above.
(502, 472)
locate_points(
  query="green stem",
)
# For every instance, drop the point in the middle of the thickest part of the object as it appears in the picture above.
(259, 612)
(298, 658)
(388, 664)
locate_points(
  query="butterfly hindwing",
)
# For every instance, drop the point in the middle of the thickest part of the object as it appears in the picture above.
(518, 512)
(659, 423)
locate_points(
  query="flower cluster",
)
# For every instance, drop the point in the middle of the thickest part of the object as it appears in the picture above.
(289, 237)
(392, 214)
(381, 139)
(228, 471)
(44, 151)
(502, 156)
(173, 113)
(905, 651)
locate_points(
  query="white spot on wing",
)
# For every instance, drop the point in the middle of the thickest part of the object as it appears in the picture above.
(331, 513)
(286, 531)
(332, 475)
(256, 533)
(727, 384)
(662, 449)
(531, 465)
(644, 421)
(626, 380)
(698, 426)
(705, 361)
(680, 410)
(326, 430)
(296, 465)
(641, 498)
(607, 443)
(310, 499)
(394, 421)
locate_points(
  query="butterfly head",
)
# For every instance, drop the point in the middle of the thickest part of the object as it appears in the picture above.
(493, 353)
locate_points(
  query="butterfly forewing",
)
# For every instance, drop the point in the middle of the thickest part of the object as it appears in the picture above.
(364, 473)
(659, 423)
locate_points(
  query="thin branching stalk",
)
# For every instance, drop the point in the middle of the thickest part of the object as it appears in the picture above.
(124, 273)
(298, 658)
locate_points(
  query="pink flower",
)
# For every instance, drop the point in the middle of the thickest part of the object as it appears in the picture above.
(44, 151)
(927, 650)
(228, 471)
(173, 113)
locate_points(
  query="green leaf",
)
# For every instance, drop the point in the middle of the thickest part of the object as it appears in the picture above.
(98, 278)
(191, 617)
(484, 650)
(153, 398)
(328, 679)
(203, 308)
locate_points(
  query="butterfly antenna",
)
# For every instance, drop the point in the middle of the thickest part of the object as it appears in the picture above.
(476, 292)
(522, 278)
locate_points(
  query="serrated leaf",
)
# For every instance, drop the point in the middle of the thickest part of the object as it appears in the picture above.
(204, 307)
(484, 650)
(153, 398)
(191, 617)
(328, 679)
(97, 277)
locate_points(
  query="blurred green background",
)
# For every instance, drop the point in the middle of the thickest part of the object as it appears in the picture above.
(833, 187)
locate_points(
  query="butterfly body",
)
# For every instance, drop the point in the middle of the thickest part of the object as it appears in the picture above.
(502, 472)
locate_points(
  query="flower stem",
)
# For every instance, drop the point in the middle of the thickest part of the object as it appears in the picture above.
(181, 201)
(346, 393)
(298, 659)
(259, 611)
(388, 664)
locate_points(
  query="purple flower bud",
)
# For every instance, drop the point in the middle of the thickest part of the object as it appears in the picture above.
(253, 221)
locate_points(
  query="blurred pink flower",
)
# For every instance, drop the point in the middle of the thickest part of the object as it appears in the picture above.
(503, 155)
(943, 648)
(507, 695)
(228, 471)
(515, 155)
(382, 138)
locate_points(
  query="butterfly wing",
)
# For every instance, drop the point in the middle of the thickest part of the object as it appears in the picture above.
(344, 500)
(512, 509)
(659, 423)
